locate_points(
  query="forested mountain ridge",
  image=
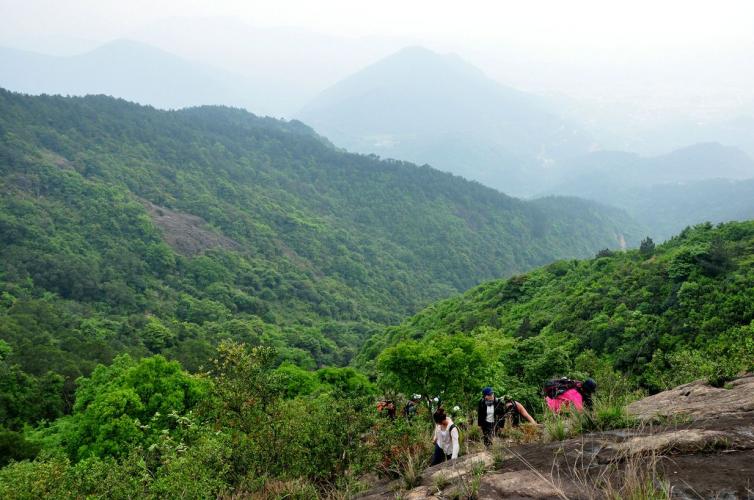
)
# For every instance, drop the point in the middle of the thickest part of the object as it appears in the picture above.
(703, 182)
(659, 315)
(300, 245)
(426, 107)
(131, 70)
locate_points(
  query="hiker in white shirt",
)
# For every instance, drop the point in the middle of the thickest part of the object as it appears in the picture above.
(445, 438)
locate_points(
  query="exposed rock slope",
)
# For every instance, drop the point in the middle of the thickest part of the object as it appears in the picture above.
(695, 441)
(699, 400)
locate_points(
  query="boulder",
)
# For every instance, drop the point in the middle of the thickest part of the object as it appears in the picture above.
(680, 441)
(459, 468)
(523, 484)
(698, 400)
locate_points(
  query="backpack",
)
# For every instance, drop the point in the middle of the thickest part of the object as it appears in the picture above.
(511, 412)
(410, 409)
(450, 432)
(554, 388)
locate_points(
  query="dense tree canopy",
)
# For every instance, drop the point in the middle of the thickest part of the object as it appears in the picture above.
(181, 293)
(124, 229)
(681, 311)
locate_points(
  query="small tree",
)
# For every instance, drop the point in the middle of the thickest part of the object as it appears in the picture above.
(451, 365)
(647, 247)
(129, 403)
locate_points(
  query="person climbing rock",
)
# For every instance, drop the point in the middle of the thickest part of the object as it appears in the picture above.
(493, 412)
(445, 438)
(588, 388)
(565, 393)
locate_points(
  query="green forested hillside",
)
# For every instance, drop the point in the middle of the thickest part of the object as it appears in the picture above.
(705, 182)
(147, 428)
(661, 316)
(129, 229)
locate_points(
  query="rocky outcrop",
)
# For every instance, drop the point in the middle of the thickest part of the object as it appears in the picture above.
(698, 400)
(187, 234)
(454, 471)
(701, 446)
(523, 484)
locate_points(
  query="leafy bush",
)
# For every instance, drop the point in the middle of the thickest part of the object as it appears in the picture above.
(127, 404)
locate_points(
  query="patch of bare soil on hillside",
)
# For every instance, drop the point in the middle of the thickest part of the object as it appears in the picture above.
(187, 234)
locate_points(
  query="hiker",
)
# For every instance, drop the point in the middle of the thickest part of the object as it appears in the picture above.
(493, 412)
(588, 388)
(565, 393)
(388, 407)
(445, 438)
(409, 411)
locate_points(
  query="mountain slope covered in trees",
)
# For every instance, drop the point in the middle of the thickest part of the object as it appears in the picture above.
(660, 315)
(652, 317)
(128, 229)
(703, 182)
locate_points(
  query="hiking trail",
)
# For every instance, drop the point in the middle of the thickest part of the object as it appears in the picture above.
(696, 439)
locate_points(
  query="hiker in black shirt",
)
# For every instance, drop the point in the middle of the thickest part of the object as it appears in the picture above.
(492, 413)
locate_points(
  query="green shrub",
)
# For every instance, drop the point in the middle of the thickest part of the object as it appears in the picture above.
(14, 446)
(42, 478)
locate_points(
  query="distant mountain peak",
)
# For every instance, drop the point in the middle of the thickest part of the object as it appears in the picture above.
(122, 68)
(425, 107)
(708, 147)
(127, 44)
(418, 61)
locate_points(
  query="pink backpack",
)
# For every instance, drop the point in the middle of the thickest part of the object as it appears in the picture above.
(569, 398)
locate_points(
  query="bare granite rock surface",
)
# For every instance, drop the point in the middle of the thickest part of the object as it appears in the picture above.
(702, 447)
(698, 400)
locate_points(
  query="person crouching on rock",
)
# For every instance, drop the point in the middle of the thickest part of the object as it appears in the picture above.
(493, 412)
(445, 438)
(569, 394)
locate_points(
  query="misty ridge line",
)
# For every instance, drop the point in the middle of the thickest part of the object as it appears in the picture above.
(418, 105)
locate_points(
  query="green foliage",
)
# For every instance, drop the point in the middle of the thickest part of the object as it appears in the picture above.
(128, 229)
(627, 321)
(32, 480)
(196, 468)
(452, 367)
(149, 429)
(720, 360)
(15, 447)
(275, 436)
(346, 382)
(297, 381)
(126, 404)
(28, 399)
(647, 247)
(250, 251)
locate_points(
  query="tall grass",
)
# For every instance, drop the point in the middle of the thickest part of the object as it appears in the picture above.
(469, 484)
(629, 477)
(409, 466)
(606, 414)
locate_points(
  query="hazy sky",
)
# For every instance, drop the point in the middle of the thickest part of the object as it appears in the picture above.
(693, 56)
(557, 25)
